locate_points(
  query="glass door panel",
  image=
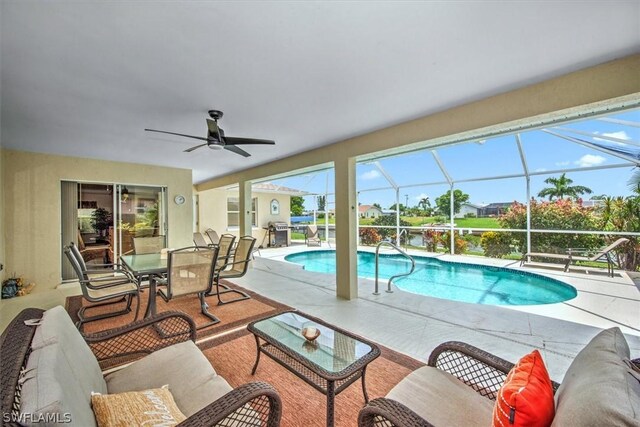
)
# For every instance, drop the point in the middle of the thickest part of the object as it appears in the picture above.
(141, 213)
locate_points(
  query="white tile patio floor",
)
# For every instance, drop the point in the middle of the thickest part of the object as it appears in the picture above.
(414, 324)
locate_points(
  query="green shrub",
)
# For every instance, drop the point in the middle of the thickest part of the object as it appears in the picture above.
(390, 233)
(470, 215)
(459, 242)
(562, 214)
(495, 244)
(369, 236)
(431, 238)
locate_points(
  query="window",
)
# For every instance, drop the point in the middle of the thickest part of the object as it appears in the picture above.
(233, 212)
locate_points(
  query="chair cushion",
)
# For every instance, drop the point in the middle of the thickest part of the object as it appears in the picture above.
(599, 387)
(136, 408)
(442, 399)
(191, 378)
(526, 397)
(57, 385)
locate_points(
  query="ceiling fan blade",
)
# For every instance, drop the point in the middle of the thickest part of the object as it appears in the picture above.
(237, 150)
(214, 130)
(188, 150)
(178, 134)
(230, 140)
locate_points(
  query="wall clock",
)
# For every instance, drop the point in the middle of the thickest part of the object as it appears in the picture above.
(179, 199)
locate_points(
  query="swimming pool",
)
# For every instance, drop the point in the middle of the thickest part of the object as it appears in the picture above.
(456, 281)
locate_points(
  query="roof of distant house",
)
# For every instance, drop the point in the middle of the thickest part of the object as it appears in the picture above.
(364, 208)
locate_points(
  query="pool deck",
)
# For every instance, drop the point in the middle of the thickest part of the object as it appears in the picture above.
(415, 324)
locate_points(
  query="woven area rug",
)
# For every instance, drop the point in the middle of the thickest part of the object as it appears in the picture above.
(234, 354)
(230, 315)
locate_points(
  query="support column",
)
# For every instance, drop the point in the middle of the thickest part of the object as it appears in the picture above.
(346, 231)
(452, 224)
(244, 199)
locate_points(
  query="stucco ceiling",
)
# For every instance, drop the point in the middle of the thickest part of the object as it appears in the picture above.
(85, 78)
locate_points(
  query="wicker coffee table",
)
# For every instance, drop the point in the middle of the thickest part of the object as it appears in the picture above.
(335, 360)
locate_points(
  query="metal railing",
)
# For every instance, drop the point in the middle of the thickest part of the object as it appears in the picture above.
(403, 253)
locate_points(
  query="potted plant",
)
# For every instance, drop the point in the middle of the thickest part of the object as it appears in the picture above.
(101, 220)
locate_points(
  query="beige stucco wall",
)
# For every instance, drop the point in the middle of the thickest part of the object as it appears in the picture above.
(32, 209)
(213, 212)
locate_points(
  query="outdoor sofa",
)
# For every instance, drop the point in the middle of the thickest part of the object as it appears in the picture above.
(459, 385)
(50, 371)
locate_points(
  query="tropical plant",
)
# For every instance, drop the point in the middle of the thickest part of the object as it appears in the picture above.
(460, 245)
(297, 205)
(390, 233)
(444, 202)
(623, 214)
(634, 181)
(101, 220)
(369, 236)
(495, 244)
(322, 203)
(562, 214)
(431, 238)
(561, 187)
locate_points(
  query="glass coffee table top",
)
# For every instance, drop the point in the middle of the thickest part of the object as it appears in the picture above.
(332, 351)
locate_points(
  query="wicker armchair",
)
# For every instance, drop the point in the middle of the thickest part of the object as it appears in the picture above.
(254, 404)
(483, 372)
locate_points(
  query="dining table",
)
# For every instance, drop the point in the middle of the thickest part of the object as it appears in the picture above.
(146, 265)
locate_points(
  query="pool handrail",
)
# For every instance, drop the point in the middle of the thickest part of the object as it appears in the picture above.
(403, 253)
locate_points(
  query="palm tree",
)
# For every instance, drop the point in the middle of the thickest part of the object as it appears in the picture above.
(634, 181)
(561, 187)
(424, 203)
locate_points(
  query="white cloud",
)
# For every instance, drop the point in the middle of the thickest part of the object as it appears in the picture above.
(541, 170)
(566, 163)
(372, 174)
(590, 160)
(619, 135)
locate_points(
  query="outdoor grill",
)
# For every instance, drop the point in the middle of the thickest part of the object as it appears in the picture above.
(278, 233)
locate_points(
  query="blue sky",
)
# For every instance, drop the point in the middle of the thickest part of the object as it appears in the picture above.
(493, 157)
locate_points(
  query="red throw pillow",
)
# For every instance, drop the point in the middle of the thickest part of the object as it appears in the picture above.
(526, 397)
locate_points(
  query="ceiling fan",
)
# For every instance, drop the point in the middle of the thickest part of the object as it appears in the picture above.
(216, 139)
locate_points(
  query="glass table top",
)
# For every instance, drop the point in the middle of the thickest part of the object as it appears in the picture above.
(145, 263)
(333, 351)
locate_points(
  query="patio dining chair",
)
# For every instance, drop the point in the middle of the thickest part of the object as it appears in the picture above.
(103, 291)
(190, 271)
(148, 245)
(212, 235)
(93, 251)
(311, 236)
(233, 269)
(200, 241)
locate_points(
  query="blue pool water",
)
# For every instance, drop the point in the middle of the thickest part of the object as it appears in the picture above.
(450, 280)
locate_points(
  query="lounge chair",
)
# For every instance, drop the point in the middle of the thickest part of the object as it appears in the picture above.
(571, 257)
(212, 235)
(311, 237)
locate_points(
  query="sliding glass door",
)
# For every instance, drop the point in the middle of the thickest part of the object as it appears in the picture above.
(141, 212)
(103, 218)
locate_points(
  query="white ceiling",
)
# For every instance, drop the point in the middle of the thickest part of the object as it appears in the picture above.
(85, 78)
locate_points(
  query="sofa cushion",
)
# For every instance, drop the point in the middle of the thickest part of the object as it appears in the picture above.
(599, 388)
(136, 408)
(54, 386)
(442, 399)
(191, 378)
(526, 397)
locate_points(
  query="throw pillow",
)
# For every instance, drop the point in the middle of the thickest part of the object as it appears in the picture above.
(147, 407)
(526, 397)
